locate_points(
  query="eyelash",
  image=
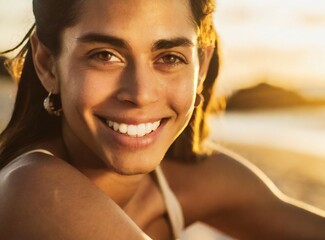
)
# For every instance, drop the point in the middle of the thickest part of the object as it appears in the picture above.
(99, 56)
(106, 56)
(177, 59)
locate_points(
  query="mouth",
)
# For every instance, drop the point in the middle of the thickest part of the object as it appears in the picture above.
(130, 130)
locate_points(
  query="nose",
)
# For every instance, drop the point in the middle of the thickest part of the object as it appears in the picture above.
(139, 85)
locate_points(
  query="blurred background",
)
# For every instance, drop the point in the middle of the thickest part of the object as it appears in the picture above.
(272, 74)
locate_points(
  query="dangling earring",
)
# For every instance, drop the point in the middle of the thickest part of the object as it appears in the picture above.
(198, 100)
(52, 105)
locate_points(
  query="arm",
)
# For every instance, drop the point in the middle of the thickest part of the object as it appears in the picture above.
(255, 209)
(46, 198)
(232, 195)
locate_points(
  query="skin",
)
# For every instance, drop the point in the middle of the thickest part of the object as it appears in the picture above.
(134, 87)
(130, 80)
(107, 190)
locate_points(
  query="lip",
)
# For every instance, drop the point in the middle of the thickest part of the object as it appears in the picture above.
(131, 142)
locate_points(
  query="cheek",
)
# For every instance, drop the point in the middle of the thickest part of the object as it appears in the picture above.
(86, 89)
(182, 93)
(81, 85)
(81, 95)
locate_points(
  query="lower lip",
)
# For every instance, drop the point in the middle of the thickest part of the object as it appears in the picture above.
(134, 143)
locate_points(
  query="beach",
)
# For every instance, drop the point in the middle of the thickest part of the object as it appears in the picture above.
(288, 145)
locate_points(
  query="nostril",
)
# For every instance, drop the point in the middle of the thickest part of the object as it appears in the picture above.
(137, 97)
(123, 96)
(126, 97)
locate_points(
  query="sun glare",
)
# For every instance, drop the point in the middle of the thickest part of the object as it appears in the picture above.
(281, 42)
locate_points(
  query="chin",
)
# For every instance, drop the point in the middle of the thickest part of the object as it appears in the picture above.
(135, 164)
(131, 171)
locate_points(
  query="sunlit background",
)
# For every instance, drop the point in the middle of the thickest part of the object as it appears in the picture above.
(279, 41)
(273, 74)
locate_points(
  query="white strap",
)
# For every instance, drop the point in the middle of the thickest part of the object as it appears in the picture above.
(37, 150)
(173, 206)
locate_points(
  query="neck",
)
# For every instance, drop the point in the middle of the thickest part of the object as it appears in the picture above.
(118, 187)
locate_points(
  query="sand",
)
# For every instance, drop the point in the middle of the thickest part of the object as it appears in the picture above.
(297, 175)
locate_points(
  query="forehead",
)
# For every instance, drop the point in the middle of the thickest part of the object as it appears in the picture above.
(138, 18)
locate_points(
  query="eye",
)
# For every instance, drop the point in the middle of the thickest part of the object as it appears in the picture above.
(105, 56)
(171, 59)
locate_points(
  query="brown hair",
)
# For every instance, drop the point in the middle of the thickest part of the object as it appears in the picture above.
(189, 145)
(30, 124)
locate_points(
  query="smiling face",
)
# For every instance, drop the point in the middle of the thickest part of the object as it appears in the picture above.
(128, 74)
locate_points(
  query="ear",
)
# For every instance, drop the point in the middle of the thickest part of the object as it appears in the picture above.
(205, 58)
(44, 65)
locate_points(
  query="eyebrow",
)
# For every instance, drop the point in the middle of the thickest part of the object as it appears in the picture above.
(101, 38)
(118, 42)
(171, 43)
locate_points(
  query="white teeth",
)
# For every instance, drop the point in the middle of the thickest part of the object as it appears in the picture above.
(116, 126)
(141, 130)
(134, 130)
(123, 128)
(148, 127)
(155, 125)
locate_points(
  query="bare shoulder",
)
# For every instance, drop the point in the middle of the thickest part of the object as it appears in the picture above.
(35, 165)
(33, 186)
(43, 197)
(30, 173)
(36, 175)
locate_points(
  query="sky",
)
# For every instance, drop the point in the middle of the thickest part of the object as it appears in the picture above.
(281, 42)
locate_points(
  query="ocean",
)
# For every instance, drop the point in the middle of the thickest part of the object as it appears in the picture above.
(299, 129)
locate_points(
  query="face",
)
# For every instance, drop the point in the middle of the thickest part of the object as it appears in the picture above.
(128, 74)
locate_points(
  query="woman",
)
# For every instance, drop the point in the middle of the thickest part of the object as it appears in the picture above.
(123, 83)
